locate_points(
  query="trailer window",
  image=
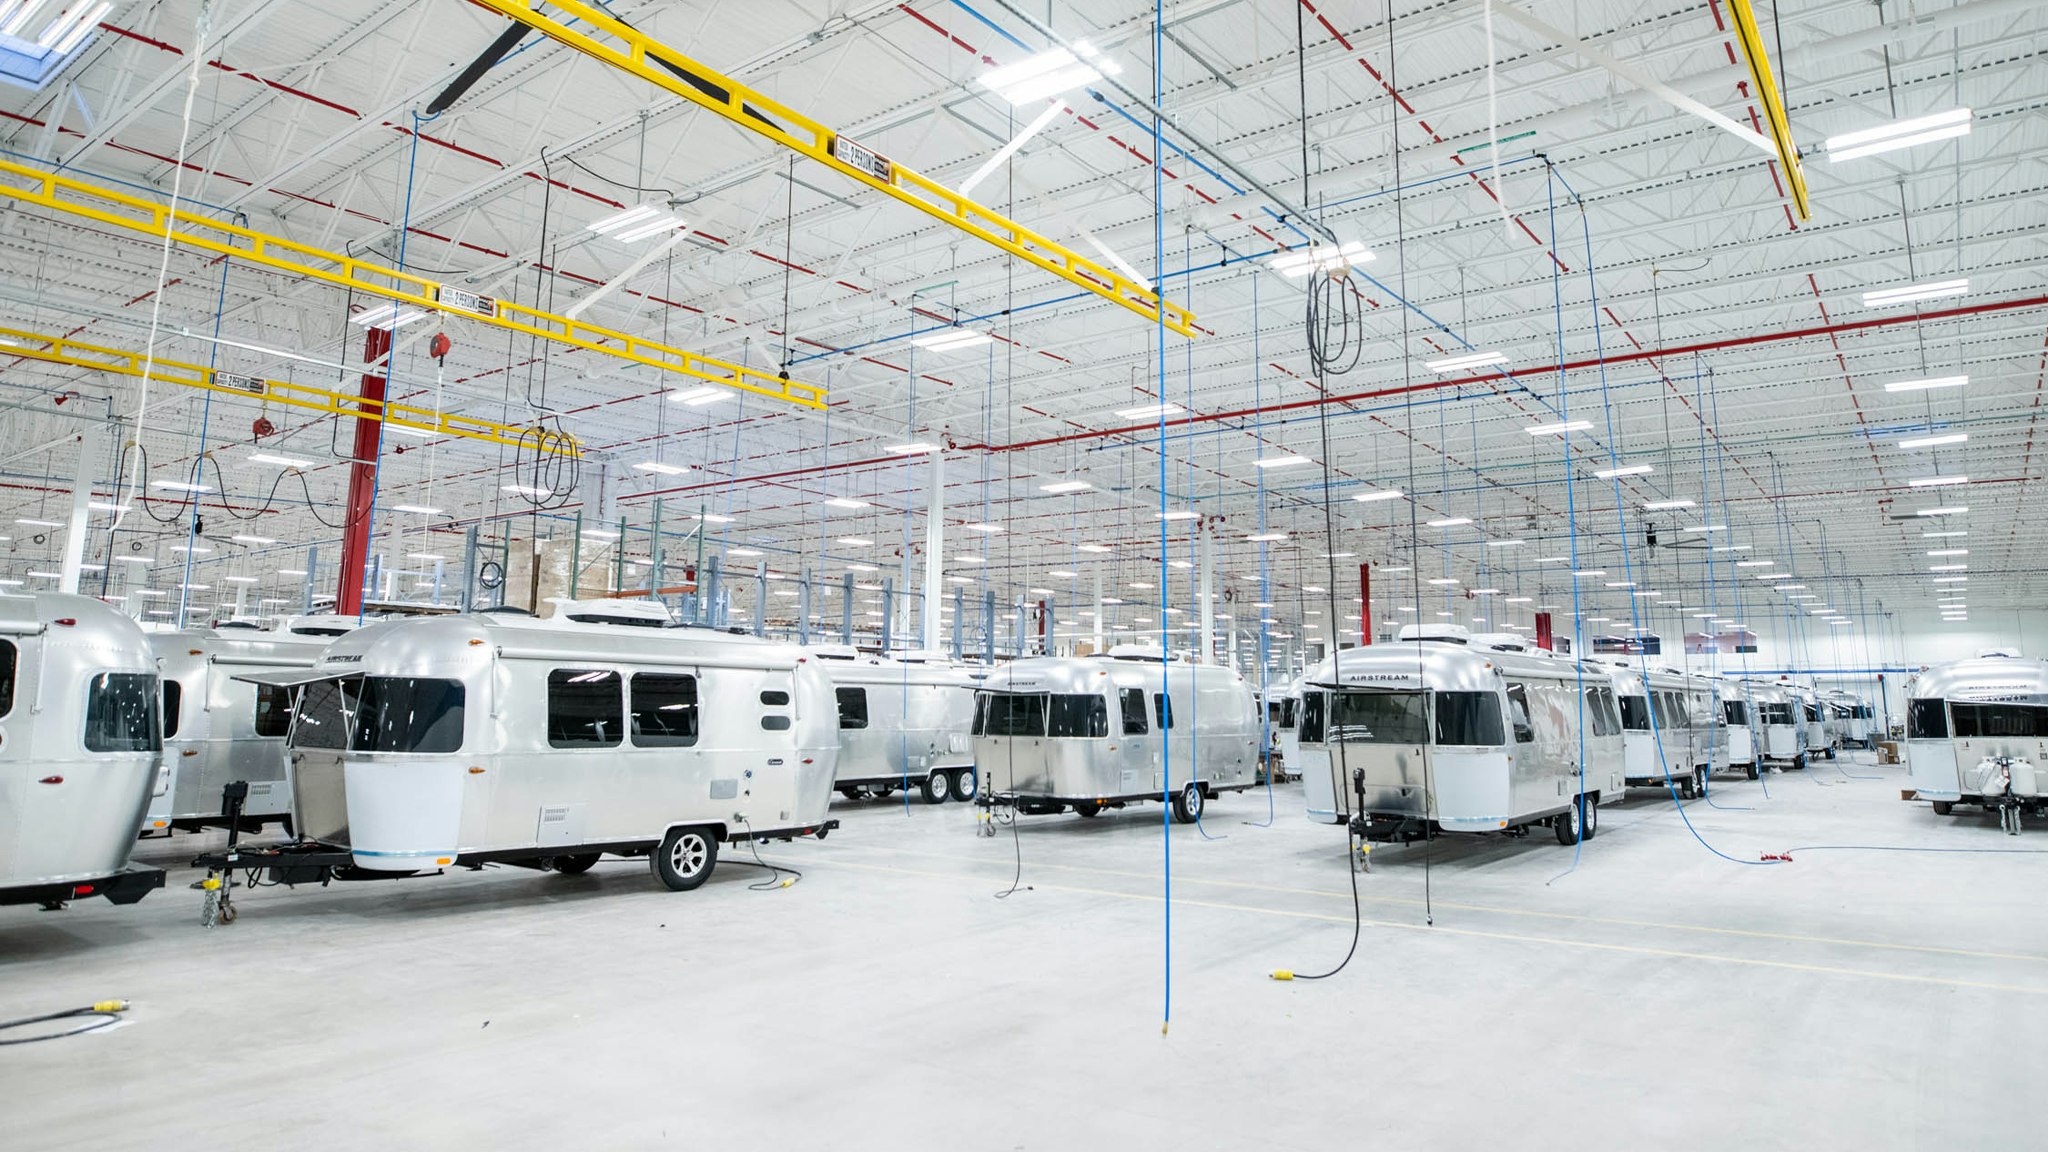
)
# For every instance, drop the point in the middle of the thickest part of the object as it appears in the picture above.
(1926, 720)
(775, 698)
(1781, 714)
(408, 714)
(1635, 713)
(1468, 718)
(1131, 701)
(1812, 714)
(273, 710)
(853, 707)
(1312, 717)
(174, 698)
(1735, 712)
(1290, 709)
(1008, 714)
(1600, 706)
(321, 718)
(1378, 718)
(120, 713)
(1973, 720)
(1518, 714)
(664, 710)
(1162, 709)
(585, 709)
(1078, 716)
(8, 658)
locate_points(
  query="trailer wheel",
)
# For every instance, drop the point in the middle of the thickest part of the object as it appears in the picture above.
(685, 859)
(850, 791)
(1752, 771)
(1684, 787)
(1089, 808)
(1566, 824)
(963, 785)
(578, 864)
(934, 787)
(1799, 762)
(1699, 781)
(1589, 821)
(1187, 803)
(1944, 807)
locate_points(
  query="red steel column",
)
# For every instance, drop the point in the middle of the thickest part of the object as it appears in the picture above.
(1544, 637)
(362, 483)
(1364, 605)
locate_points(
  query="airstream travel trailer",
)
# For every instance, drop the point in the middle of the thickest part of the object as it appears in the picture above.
(1738, 716)
(1780, 727)
(1095, 732)
(1672, 725)
(80, 750)
(1849, 719)
(1977, 733)
(1442, 731)
(902, 724)
(427, 742)
(1283, 730)
(219, 729)
(1807, 710)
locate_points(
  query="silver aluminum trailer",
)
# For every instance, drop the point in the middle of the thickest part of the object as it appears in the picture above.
(219, 729)
(902, 724)
(466, 740)
(1851, 717)
(80, 750)
(1780, 730)
(1444, 732)
(1977, 733)
(1738, 716)
(1672, 724)
(1806, 708)
(1095, 732)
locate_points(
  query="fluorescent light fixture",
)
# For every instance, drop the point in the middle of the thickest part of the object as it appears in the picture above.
(106, 506)
(968, 560)
(133, 560)
(1926, 385)
(1402, 568)
(387, 317)
(1370, 497)
(1899, 134)
(1516, 600)
(1062, 487)
(664, 469)
(1937, 481)
(186, 587)
(846, 502)
(240, 538)
(1935, 441)
(986, 529)
(526, 490)
(862, 568)
(179, 486)
(1320, 258)
(280, 461)
(1181, 514)
(191, 549)
(424, 556)
(416, 509)
(1466, 362)
(1948, 567)
(1008, 150)
(1096, 548)
(1443, 581)
(1266, 537)
(714, 518)
(1589, 572)
(1950, 552)
(698, 397)
(856, 541)
(42, 575)
(1338, 555)
(1707, 528)
(1553, 560)
(1754, 563)
(1450, 522)
(1915, 293)
(1954, 510)
(1558, 429)
(415, 433)
(951, 339)
(1951, 579)
(1943, 535)
(742, 552)
(914, 448)
(1625, 470)
(1049, 73)
(1769, 576)
(1621, 583)
(1492, 592)
(1280, 461)
(1059, 575)
(638, 223)
(1150, 412)
(291, 571)
(1505, 543)
(1666, 505)
(241, 579)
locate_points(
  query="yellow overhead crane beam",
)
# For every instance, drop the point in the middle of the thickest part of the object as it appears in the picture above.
(631, 50)
(1774, 106)
(121, 362)
(143, 217)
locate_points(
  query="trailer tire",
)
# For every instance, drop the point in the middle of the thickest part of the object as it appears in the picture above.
(1944, 807)
(1566, 824)
(934, 787)
(1752, 771)
(1589, 819)
(1187, 803)
(1088, 808)
(578, 864)
(963, 784)
(850, 791)
(685, 859)
(1699, 781)
(1684, 787)
(1799, 762)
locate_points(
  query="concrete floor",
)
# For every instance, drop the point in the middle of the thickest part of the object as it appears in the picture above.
(1655, 997)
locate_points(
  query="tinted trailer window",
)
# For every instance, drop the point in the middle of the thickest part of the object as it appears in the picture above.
(1378, 718)
(408, 714)
(1004, 714)
(121, 713)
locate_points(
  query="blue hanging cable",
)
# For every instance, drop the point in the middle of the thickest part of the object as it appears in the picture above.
(1195, 712)
(199, 458)
(1165, 667)
(1627, 556)
(1571, 513)
(1757, 738)
(1265, 575)
(1711, 644)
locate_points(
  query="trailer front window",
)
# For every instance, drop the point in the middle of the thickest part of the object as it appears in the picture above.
(1781, 714)
(1008, 714)
(1469, 719)
(1926, 720)
(1735, 712)
(273, 710)
(1635, 713)
(321, 718)
(1078, 717)
(1378, 718)
(120, 713)
(408, 714)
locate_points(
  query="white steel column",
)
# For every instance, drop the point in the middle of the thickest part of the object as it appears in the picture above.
(934, 551)
(1207, 599)
(81, 508)
(1098, 609)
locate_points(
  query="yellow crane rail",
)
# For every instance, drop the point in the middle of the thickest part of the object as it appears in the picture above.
(27, 185)
(630, 50)
(1774, 106)
(122, 362)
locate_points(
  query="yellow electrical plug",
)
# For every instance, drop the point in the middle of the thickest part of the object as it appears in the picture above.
(787, 883)
(110, 1006)
(1283, 974)
(211, 883)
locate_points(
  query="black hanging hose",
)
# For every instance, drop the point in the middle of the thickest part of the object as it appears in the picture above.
(101, 1013)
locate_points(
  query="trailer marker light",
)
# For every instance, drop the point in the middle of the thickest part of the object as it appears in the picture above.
(66, 621)
(444, 860)
(475, 771)
(51, 780)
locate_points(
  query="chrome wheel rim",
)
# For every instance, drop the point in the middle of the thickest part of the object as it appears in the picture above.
(1192, 800)
(687, 857)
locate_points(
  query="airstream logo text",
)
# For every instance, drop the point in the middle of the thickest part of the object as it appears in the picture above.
(343, 660)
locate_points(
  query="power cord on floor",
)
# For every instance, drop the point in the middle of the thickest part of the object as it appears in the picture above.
(1017, 877)
(102, 1013)
(1357, 923)
(776, 871)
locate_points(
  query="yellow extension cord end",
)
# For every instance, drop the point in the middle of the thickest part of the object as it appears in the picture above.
(210, 883)
(787, 883)
(1283, 974)
(110, 1006)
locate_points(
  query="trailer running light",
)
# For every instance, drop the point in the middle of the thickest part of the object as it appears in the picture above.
(1899, 134)
(1915, 293)
(1935, 441)
(1558, 429)
(1629, 470)
(1465, 363)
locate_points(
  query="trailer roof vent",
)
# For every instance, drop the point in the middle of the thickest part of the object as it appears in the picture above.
(1446, 633)
(1137, 652)
(624, 613)
(320, 625)
(1998, 654)
(834, 651)
(1504, 642)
